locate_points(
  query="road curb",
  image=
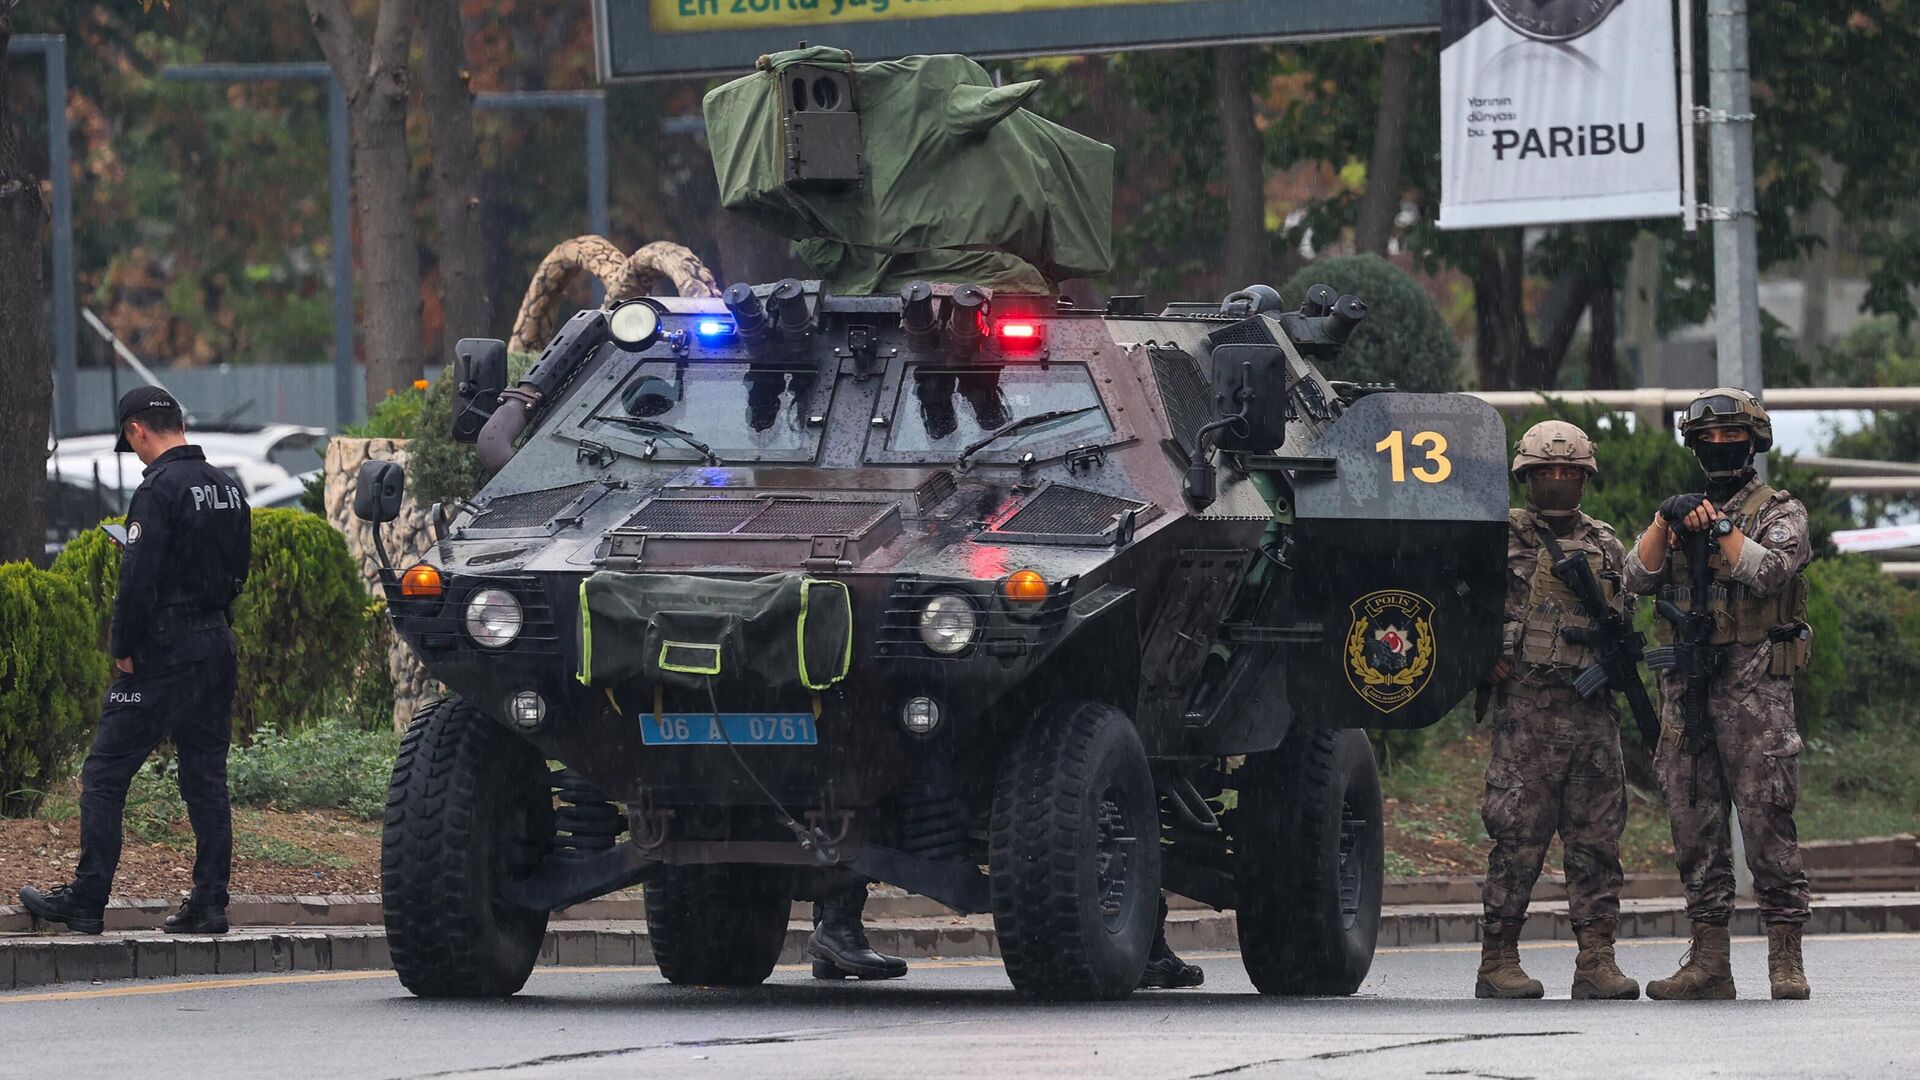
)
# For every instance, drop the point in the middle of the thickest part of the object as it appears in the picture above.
(885, 903)
(38, 960)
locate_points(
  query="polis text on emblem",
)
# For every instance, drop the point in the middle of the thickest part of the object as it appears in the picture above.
(1390, 647)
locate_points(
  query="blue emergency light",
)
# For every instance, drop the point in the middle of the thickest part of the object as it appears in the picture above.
(713, 328)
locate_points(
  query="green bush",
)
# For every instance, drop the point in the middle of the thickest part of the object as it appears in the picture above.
(330, 764)
(1871, 630)
(1403, 341)
(440, 470)
(51, 679)
(91, 561)
(298, 622)
(369, 700)
(396, 417)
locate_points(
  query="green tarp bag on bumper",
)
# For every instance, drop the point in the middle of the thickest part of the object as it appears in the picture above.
(783, 630)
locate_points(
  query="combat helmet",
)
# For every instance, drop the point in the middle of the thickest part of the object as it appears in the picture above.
(1554, 442)
(1728, 406)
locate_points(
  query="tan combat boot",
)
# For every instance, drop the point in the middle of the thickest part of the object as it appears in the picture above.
(1705, 975)
(1784, 965)
(1595, 973)
(1500, 973)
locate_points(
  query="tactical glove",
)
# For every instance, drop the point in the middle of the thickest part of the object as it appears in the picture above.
(1677, 507)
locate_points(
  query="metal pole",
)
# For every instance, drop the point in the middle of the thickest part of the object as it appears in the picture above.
(1735, 253)
(52, 50)
(339, 192)
(597, 165)
(1689, 199)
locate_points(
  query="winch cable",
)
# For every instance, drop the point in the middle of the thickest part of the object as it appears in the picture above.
(811, 838)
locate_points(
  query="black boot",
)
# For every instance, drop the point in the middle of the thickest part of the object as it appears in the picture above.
(59, 906)
(195, 919)
(1165, 970)
(839, 946)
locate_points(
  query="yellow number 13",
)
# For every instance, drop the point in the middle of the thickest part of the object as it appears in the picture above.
(1437, 467)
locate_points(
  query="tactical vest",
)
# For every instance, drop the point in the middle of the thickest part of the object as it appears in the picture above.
(1552, 607)
(1740, 616)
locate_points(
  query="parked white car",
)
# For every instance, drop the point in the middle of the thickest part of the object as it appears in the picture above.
(88, 481)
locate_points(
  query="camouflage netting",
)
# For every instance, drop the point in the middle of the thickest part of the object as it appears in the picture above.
(960, 183)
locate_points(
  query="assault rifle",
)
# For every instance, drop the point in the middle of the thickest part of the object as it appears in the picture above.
(1617, 645)
(1692, 654)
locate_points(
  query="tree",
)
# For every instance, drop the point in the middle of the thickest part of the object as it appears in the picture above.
(373, 71)
(1245, 248)
(1380, 203)
(26, 364)
(448, 96)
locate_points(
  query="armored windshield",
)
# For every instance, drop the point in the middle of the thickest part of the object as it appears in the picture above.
(940, 411)
(742, 411)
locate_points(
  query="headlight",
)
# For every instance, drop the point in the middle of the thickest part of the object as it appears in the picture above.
(634, 323)
(494, 618)
(948, 623)
(920, 715)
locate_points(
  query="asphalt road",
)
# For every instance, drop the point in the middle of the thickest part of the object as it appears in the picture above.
(1415, 1017)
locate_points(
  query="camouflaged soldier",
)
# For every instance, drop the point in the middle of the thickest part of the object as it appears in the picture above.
(1758, 599)
(1556, 763)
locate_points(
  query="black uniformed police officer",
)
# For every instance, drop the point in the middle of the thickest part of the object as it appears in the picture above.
(188, 541)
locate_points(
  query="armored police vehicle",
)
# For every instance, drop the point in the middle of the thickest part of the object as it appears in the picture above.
(921, 572)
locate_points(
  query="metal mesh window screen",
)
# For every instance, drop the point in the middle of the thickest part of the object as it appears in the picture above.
(804, 517)
(1183, 392)
(1071, 511)
(695, 515)
(528, 509)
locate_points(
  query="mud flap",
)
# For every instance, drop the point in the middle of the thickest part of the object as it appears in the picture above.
(1400, 554)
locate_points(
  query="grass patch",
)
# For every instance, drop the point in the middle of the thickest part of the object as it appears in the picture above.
(271, 849)
(1861, 783)
(329, 766)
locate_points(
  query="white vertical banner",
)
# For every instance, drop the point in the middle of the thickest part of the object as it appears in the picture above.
(1557, 111)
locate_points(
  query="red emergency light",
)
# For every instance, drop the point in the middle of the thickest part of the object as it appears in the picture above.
(1018, 336)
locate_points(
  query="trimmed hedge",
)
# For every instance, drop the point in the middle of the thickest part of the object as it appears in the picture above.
(91, 562)
(299, 623)
(1404, 340)
(51, 679)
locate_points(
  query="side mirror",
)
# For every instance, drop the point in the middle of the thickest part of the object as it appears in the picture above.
(480, 373)
(1250, 383)
(377, 498)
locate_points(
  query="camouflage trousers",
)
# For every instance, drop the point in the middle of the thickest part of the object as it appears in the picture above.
(1754, 765)
(1555, 768)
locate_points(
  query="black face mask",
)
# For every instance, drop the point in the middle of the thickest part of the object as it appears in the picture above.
(1554, 498)
(1724, 460)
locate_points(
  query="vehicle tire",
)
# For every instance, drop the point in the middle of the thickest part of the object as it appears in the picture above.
(1308, 863)
(717, 925)
(1074, 856)
(468, 808)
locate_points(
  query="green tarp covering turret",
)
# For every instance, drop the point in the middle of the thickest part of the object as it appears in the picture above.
(916, 169)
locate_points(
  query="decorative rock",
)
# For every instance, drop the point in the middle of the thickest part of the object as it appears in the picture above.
(409, 538)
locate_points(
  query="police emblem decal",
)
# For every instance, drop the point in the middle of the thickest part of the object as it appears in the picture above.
(133, 532)
(1390, 647)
